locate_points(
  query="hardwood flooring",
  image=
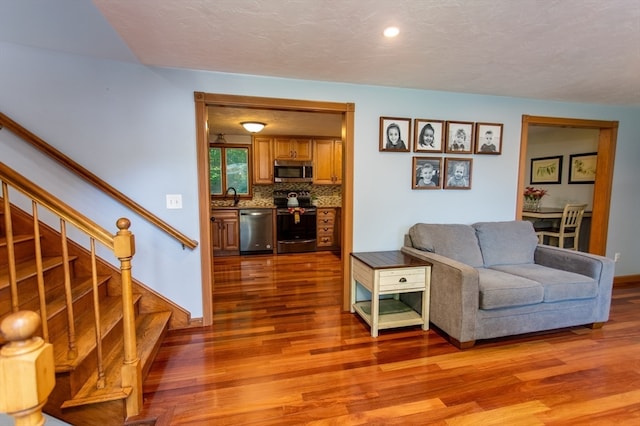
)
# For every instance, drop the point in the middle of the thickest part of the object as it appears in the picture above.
(282, 352)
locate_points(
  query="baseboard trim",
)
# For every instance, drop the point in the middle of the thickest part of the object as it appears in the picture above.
(626, 280)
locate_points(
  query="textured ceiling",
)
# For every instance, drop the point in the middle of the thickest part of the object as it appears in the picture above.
(565, 50)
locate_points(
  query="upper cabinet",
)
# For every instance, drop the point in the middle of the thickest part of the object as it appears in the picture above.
(292, 149)
(262, 161)
(327, 163)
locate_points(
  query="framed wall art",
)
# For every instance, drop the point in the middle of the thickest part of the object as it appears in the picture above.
(582, 168)
(488, 138)
(459, 137)
(458, 173)
(395, 134)
(428, 135)
(546, 170)
(426, 173)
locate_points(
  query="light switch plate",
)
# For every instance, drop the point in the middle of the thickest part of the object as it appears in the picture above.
(174, 201)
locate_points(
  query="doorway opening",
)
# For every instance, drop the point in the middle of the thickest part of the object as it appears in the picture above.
(202, 102)
(607, 137)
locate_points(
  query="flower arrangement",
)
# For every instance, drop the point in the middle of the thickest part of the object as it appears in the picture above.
(534, 193)
(532, 197)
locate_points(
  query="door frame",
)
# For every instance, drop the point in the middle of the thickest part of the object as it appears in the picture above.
(204, 100)
(607, 139)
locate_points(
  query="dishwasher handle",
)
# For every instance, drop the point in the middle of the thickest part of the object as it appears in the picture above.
(245, 213)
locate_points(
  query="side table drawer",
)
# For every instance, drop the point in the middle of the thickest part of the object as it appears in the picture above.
(402, 279)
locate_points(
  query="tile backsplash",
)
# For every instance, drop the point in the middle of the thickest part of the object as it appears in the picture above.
(326, 195)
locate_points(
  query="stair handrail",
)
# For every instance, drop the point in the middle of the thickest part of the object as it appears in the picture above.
(57, 206)
(76, 168)
(122, 244)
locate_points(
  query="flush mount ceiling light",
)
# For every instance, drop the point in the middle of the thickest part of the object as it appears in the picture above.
(253, 126)
(391, 32)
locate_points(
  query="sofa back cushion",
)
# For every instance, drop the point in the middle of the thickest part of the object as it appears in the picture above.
(506, 243)
(454, 241)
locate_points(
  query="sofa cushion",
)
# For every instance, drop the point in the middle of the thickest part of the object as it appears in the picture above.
(558, 285)
(506, 243)
(501, 290)
(454, 241)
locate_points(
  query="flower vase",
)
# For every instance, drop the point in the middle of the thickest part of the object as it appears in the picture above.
(532, 204)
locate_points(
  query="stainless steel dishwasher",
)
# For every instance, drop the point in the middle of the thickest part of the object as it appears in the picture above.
(256, 231)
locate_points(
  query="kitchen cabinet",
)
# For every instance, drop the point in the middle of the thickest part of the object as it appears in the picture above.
(292, 149)
(327, 161)
(225, 232)
(262, 161)
(328, 228)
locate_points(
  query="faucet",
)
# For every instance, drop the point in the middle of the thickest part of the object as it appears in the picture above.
(236, 199)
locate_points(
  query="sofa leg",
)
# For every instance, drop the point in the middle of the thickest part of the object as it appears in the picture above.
(596, 325)
(461, 345)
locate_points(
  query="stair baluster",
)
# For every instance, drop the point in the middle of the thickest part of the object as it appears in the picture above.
(96, 312)
(72, 351)
(13, 282)
(40, 272)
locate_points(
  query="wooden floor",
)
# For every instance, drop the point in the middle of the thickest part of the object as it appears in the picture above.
(281, 352)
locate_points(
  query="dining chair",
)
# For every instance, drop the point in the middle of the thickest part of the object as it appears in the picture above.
(569, 227)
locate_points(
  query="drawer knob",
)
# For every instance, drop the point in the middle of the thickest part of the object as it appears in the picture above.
(403, 280)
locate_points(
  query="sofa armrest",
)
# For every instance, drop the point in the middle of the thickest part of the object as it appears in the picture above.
(454, 294)
(600, 268)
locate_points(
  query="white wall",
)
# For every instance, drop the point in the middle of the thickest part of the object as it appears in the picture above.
(134, 127)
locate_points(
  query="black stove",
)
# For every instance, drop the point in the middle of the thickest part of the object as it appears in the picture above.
(295, 226)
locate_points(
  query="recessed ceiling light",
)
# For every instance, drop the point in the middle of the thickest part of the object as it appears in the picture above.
(391, 32)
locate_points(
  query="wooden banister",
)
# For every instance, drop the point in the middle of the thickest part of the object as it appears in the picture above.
(67, 162)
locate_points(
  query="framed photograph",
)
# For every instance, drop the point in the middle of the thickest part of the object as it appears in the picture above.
(546, 170)
(428, 135)
(458, 173)
(395, 134)
(488, 138)
(582, 168)
(426, 173)
(459, 137)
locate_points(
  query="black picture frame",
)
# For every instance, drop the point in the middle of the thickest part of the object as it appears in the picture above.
(582, 168)
(546, 170)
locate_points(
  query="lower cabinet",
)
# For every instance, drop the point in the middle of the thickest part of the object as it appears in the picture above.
(225, 232)
(328, 228)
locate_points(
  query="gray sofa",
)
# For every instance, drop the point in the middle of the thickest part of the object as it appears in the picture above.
(492, 279)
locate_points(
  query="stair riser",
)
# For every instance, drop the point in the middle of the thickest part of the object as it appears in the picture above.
(28, 289)
(22, 250)
(58, 320)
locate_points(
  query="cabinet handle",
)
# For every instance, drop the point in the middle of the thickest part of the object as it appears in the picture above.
(403, 280)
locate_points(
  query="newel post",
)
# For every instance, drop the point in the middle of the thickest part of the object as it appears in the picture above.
(27, 369)
(124, 249)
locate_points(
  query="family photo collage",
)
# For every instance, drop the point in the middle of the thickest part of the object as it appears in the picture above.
(440, 137)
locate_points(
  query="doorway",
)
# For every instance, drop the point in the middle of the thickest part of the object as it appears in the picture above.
(607, 138)
(202, 102)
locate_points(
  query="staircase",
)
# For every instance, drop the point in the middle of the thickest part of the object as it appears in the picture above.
(80, 300)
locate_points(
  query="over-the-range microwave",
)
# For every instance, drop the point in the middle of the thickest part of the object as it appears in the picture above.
(292, 171)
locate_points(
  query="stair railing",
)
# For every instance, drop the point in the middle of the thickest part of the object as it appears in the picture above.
(123, 246)
(76, 168)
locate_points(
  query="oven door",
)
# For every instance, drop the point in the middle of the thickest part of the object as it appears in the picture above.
(296, 233)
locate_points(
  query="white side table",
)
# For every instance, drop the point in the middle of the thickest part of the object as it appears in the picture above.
(389, 272)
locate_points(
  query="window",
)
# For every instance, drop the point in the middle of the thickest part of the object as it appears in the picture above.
(230, 167)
